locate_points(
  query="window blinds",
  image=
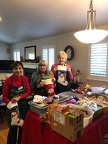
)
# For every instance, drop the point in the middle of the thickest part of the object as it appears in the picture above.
(48, 56)
(98, 60)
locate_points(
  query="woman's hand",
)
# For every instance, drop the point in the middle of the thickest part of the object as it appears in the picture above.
(16, 99)
(41, 84)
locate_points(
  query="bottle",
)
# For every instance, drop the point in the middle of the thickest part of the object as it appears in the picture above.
(51, 75)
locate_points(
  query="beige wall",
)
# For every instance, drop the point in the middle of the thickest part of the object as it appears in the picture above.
(80, 60)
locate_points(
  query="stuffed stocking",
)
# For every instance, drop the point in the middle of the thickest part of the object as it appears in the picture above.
(62, 75)
(15, 116)
(49, 86)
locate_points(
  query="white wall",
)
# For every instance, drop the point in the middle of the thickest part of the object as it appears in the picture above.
(4, 51)
(60, 41)
(80, 60)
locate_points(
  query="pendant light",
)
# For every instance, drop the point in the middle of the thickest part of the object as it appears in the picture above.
(91, 34)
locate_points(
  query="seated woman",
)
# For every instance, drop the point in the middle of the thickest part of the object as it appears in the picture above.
(37, 82)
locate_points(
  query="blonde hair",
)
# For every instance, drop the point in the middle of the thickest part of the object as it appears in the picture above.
(62, 53)
(42, 62)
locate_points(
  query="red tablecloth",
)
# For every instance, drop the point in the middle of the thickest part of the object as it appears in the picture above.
(32, 132)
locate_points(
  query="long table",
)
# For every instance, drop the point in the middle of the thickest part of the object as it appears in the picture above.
(35, 133)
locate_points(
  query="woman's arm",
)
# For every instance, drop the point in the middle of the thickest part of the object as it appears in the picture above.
(70, 75)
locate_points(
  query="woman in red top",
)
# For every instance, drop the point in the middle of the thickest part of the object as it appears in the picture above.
(16, 88)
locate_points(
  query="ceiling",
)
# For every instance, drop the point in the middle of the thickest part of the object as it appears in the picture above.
(34, 19)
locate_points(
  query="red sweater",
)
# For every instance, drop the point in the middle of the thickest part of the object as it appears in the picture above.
(15, 82)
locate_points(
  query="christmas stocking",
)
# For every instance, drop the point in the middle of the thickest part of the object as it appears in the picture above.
(62, 75)
(49, 86)
(15, 115)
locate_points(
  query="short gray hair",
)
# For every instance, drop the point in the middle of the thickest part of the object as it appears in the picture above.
(63, 54)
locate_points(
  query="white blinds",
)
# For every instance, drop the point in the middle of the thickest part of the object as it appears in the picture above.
(51, 57)
(45, 54)
(16, 55)
(48, 56)
(98, 60)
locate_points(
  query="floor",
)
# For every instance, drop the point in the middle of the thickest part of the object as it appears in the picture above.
(4, 132)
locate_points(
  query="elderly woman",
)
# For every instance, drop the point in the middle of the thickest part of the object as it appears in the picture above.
(37, 80)
(62, 73)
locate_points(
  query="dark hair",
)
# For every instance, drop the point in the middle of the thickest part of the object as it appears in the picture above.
(15, 64)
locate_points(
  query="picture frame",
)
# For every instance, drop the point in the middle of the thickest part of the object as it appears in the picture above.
(30, 53)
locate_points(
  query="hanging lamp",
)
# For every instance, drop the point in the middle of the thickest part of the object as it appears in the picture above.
(91, 34)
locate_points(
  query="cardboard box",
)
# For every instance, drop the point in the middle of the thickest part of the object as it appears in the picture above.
(88, 114)
(55, 106)
(105, 110)
(102, 101)
(70, 128)
(98, 112)
(102, 97)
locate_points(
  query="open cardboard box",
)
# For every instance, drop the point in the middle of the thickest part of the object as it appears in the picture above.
(89, 114)
(70, 128)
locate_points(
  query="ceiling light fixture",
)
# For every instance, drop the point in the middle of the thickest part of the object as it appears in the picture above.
(91, 34)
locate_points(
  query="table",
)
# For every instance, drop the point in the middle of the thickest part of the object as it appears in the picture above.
(32, 132)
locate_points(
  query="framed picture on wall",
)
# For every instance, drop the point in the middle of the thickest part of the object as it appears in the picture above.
(30, 53)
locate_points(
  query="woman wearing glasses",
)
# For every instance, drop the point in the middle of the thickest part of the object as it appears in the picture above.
(37, 80)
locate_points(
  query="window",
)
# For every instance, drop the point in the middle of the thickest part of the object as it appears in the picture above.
(31, 56)
(48, 55)
(98, 61)
(16, 55)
